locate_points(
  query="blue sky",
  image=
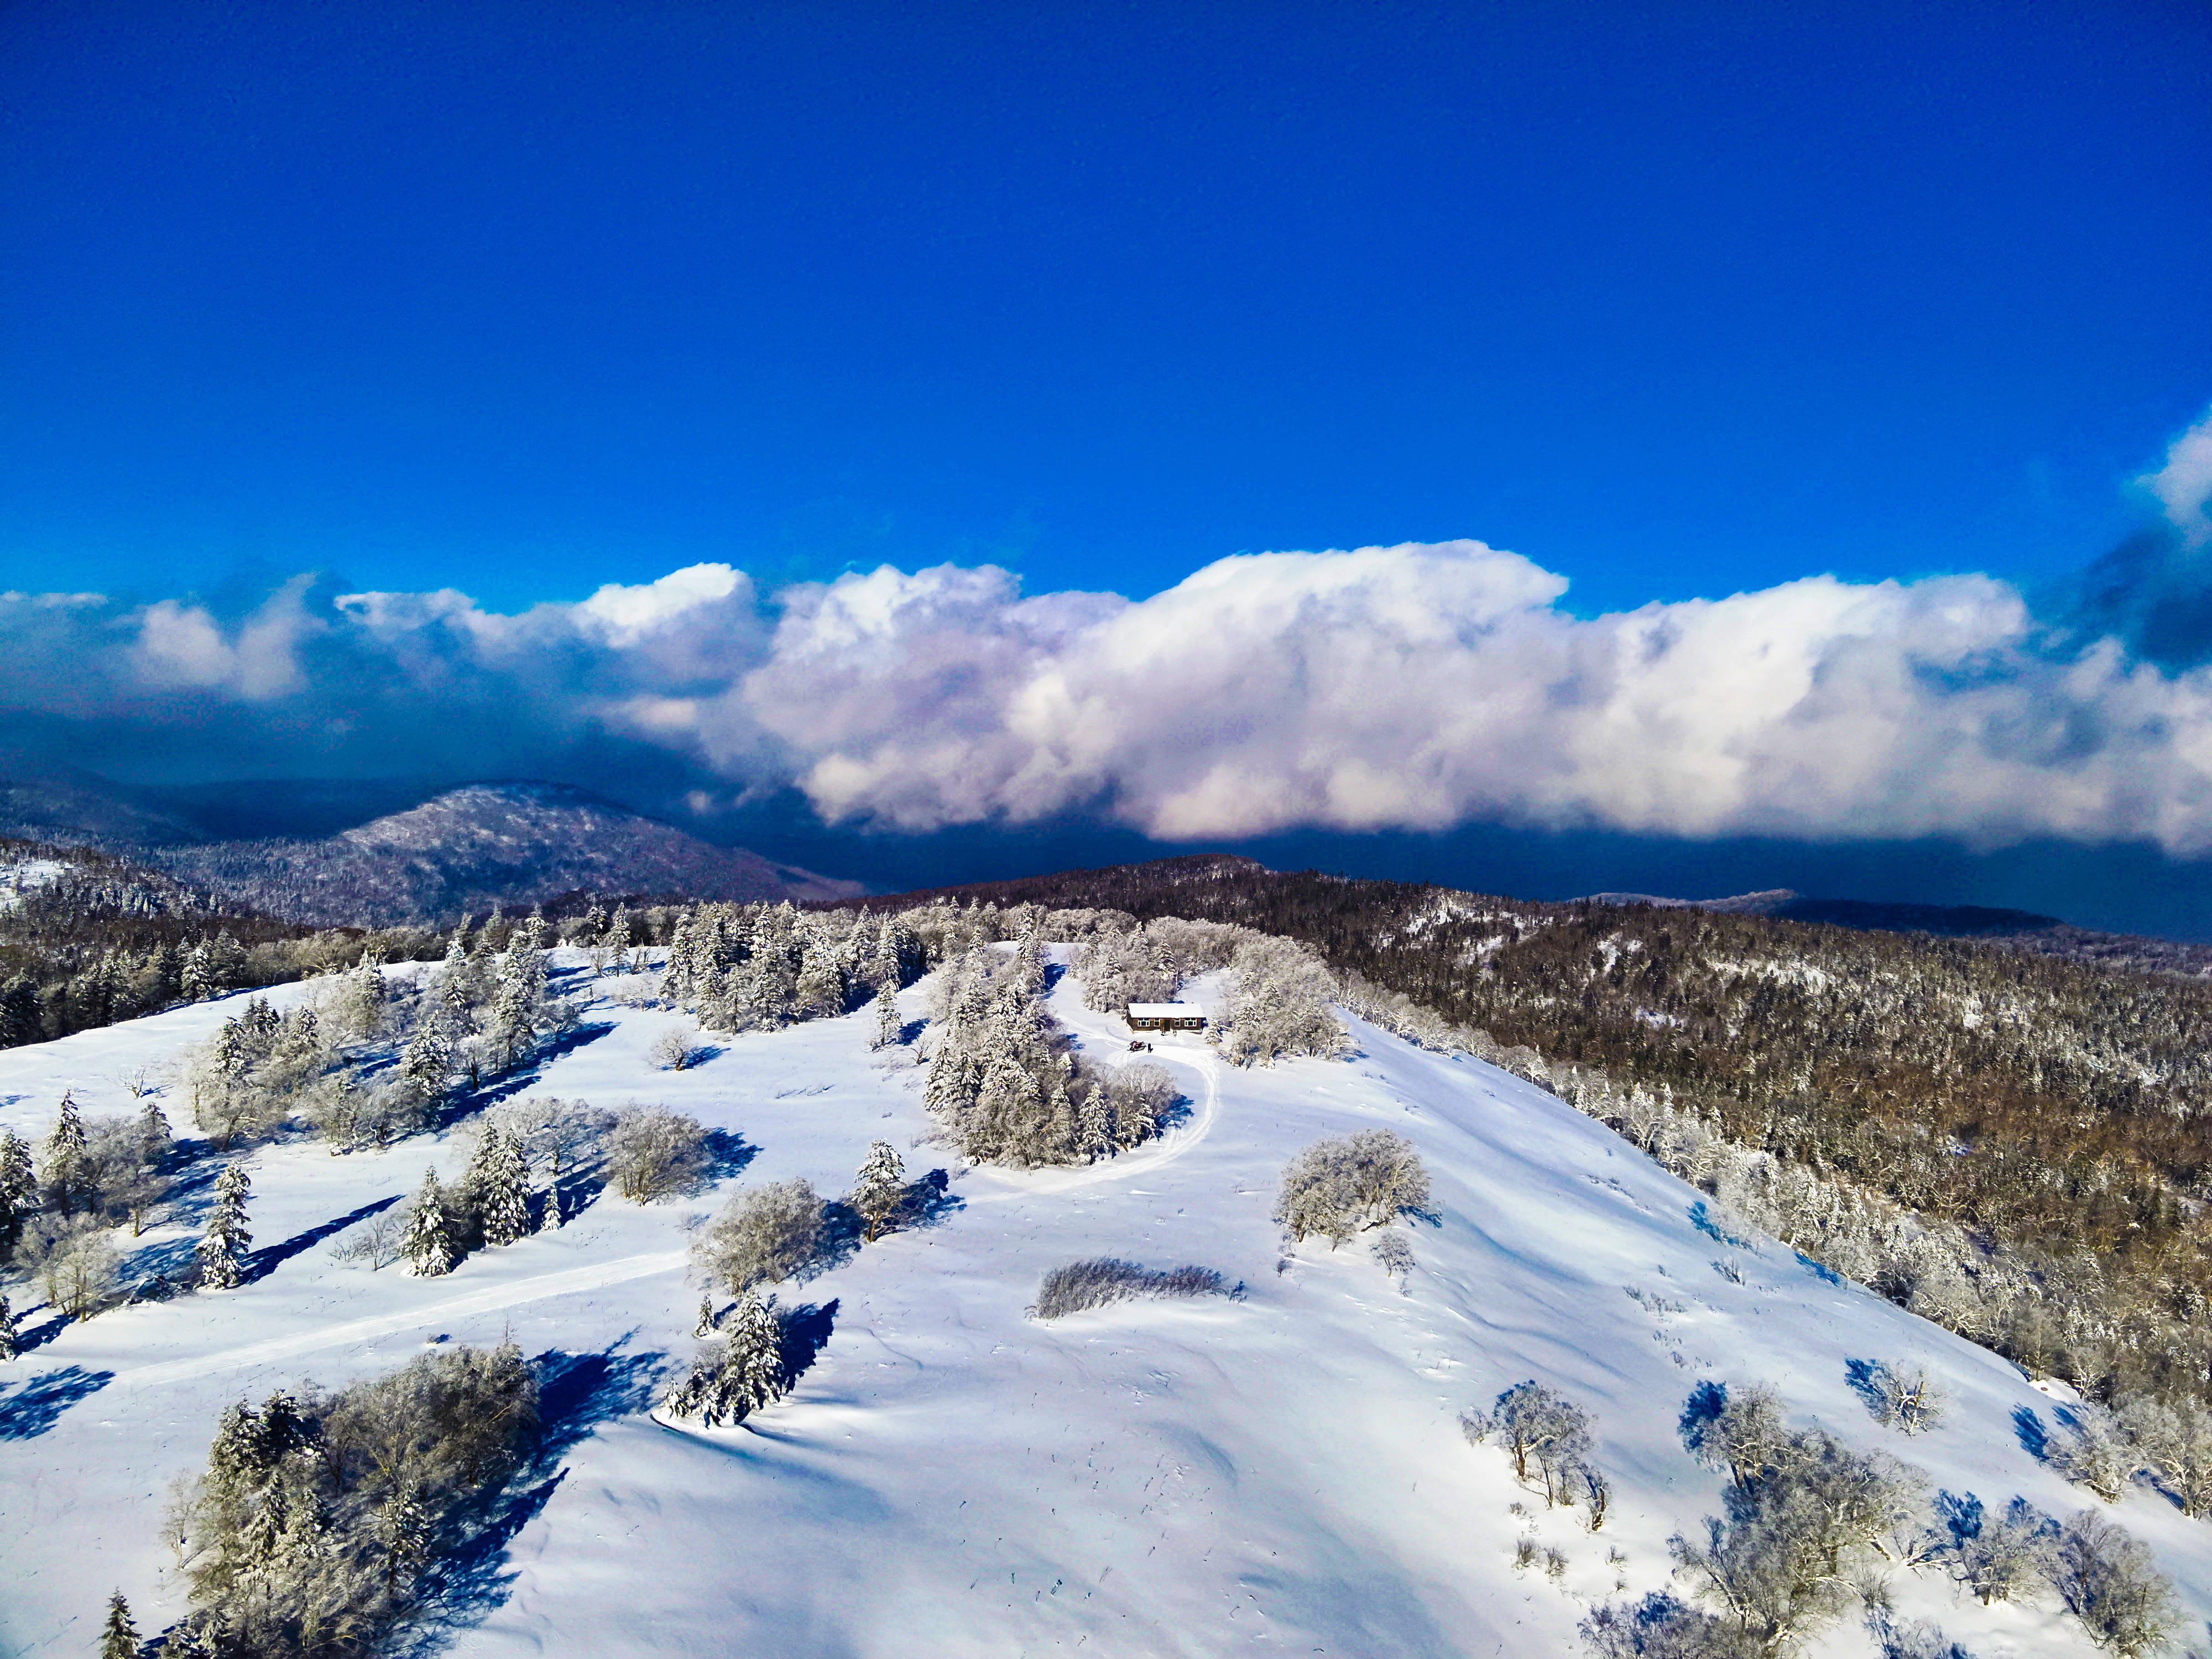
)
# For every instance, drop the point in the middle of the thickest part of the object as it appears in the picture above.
(1675, 301)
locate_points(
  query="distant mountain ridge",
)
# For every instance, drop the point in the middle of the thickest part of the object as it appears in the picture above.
(461, 853)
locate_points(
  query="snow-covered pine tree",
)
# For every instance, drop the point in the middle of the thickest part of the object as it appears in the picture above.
(429, 1245)
(426, 1066)
(401, 1527)
(734, 1379)
(704, 1326)
(514, 1027)
(222, 1247)
(756, 1354)
(7, 1331)
(880, 1188)
(499, 1186)
(153, 1134)
(616, 938)
(64, 1155)
(887, 1014)
(18, 1192)
(119, 1638)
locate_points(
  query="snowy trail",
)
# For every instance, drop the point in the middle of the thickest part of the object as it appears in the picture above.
(490, 1299)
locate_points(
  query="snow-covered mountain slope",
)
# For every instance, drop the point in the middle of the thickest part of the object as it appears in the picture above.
(1283, 1472)
(468, 849)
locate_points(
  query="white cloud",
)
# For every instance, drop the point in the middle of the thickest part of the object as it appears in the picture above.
(2184, 485)
(1409, 687)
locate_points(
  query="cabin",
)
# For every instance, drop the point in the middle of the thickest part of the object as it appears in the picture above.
(1166, 1016)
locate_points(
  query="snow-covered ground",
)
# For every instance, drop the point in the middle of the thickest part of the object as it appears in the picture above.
(1283, 1472)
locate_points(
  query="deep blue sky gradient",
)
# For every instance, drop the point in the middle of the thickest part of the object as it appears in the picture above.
(1674, 299)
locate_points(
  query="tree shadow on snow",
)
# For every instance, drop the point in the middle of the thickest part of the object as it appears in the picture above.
(38, 1335)
(36, 1405)
(727, 1154)
(576, 1392)
(1863, 1379)
(2028, 1428)
(804, 1332)
(263, 1262)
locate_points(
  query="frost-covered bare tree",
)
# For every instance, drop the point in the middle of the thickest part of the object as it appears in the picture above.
(569, 1135)
(1539, 1429)
(652, 1152)
(1341, 1187)
(1811, 1523)
(764, 1236)
(1278, 1006)
(2110, 1582)
(318, 1524)
(2175, 1441)
(1999, 1557)
(2094, 1451)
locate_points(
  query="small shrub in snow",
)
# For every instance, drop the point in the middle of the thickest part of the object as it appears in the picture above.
(1341, 1187)
(653, 1152)
(1095, 1284)
(2110, 1582)
(673, 1050)
(1904, 1397)
(1394, 1254)
(764, 1235)
(375, 1243)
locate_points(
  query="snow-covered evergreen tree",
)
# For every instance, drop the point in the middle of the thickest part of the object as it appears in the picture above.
(64, 1155)
(222, 1247)
(18, 1192)
(704, 1325)
(880, 1188)
(7, 1331)
(154, 1135)
(426, 1065)
(887, 1015)
(499, 1187)
(429, 1246)
(736, 1377)
(119, 1638)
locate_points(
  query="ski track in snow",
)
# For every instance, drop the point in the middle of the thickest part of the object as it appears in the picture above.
(489, 1300)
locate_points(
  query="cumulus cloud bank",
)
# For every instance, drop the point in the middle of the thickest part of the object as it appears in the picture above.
(1410, 687)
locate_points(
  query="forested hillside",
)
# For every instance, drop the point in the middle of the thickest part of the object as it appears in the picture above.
(2051, 1113)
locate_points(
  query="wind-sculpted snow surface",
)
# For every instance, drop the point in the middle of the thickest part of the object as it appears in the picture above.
(949, 1476)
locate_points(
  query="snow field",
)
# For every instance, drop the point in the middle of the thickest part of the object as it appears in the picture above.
(1282, 1473)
